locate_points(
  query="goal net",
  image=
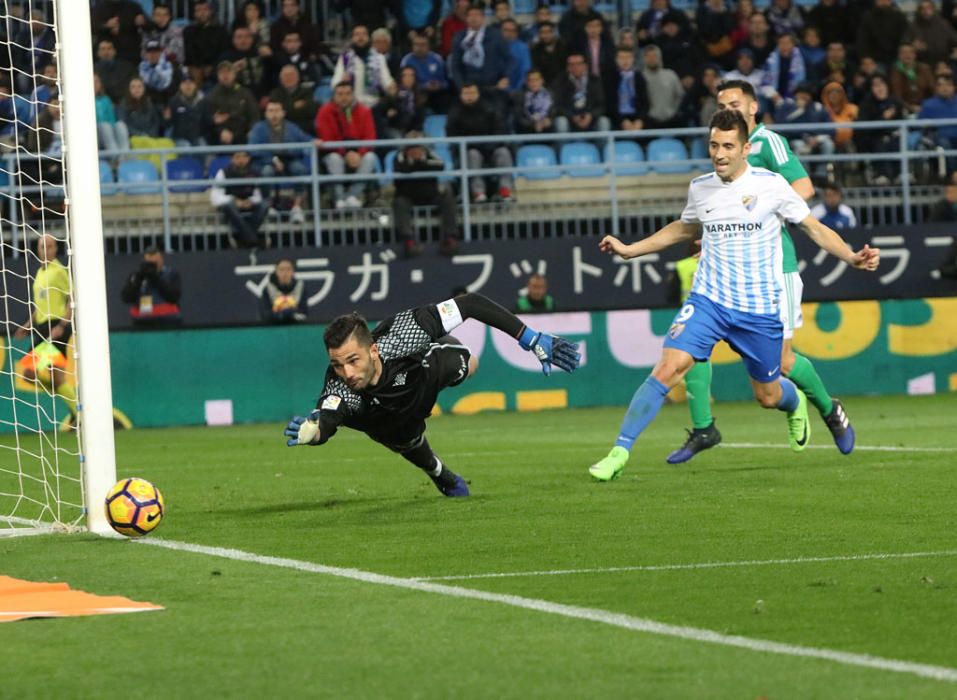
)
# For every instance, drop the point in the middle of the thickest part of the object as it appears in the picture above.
(52, 396)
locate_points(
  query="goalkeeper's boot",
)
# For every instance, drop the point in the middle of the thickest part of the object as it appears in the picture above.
(799, 427)
(450, 483)
(840, 426)
(611, 466)
(698, 439)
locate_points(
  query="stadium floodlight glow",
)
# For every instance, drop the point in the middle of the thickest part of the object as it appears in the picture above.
(52, 479)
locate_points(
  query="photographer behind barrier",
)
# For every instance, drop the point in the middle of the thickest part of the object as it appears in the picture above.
(153, 292)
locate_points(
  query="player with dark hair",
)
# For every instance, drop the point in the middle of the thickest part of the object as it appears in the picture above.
(384, 382)
(768, 150)
(737, 211)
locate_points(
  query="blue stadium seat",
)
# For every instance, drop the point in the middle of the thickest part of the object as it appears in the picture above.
(434, 126)
(322, 94)
(581, 153)
(389, 167)
(667, 150)
(443, 152)
(524, 7)
(217, 164)
(537, 156)
(106, 178)
(139, 171)
(628, 152)
(185, 169)
(699, 149)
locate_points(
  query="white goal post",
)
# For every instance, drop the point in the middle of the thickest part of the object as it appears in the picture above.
(88, 469)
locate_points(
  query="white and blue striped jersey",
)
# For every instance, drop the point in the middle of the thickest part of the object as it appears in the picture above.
(740, 265)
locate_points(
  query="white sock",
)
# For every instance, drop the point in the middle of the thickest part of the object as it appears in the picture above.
(438, 467)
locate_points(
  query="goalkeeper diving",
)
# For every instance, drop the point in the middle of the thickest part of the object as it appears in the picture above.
(385, 382)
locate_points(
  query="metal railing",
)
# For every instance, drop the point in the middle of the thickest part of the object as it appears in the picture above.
(607, 198)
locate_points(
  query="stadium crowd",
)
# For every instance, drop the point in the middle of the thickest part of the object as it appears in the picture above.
(165, 81)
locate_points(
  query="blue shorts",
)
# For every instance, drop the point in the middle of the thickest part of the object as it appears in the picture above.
(757, 338)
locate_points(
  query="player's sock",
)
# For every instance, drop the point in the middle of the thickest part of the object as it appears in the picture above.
(698, 384)
(445, 480)
(789, 396)
(643, 408)
(806, 377)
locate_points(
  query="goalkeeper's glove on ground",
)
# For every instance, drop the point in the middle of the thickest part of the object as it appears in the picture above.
(303, 431)
(551, 350)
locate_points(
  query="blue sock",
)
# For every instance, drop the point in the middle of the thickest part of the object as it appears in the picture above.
(789, 395)
(643, 408)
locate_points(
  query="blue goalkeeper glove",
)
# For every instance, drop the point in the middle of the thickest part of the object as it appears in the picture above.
(551, 350)
(302, 431)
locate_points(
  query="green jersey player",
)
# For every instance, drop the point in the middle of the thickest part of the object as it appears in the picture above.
(768, 150)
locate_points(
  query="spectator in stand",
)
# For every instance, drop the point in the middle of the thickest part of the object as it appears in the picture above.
(45, 86)
(161, 28)
(405, 110)
(599, 52)
(240, 203)
(365, 68)
(579, 99)
(291, 53)
(297, 100)
(812, 52)
(291, 20)
(628, 103)
(369, 13)
(945, 211)
(716, 23)
(743, 9)
(417, 17)
(114, 72)
(746, 70)
(626, 38)
(880, 105)
(549, 53)
(785, 17)
(479, 56)
(533, 107)
(536, 299)
(421, 192)
(250, 67)
(501, 11)
(382, 45)
(665, 92)
(651, 22)
(204, 42)
(866, 70)
(831, 19)
(429, 72)
(9, 125)
(283, 299)
(119, 21)
(520, 57)
(911, 81)
(453, 23)
(187, 115)
(832, 211)
(276, 129)
(880, 32)
(760, 39)
(943, 105)
(470, 116)
(543, 13)
(932, 35)
(841, 110)
(44, 137)
(251, 17)
(112, 133)
(345, 119)
(153, 292)
(784, 69)
(835, 67)
(571, 26)
(677, 50)
(705, 96)
(157, 73)
(140, 114)
(804, 109)
(232, 108)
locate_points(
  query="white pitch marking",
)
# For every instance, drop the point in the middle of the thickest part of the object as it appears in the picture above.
(699, 565)
(861, 448)
(940, 673)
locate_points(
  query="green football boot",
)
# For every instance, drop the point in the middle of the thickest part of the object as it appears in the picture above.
(799, 427)
(611, 466)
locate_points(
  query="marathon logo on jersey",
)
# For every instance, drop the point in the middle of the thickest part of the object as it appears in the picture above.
(749, 201)
(331, 403)
(738, 228)
(449, 314)
(676, 330)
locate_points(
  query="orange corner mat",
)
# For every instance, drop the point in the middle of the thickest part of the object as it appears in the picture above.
(21, 600)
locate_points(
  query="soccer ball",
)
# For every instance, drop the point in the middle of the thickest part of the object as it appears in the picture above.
(134, 507)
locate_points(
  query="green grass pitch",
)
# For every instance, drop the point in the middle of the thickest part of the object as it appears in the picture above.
(243, 629)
